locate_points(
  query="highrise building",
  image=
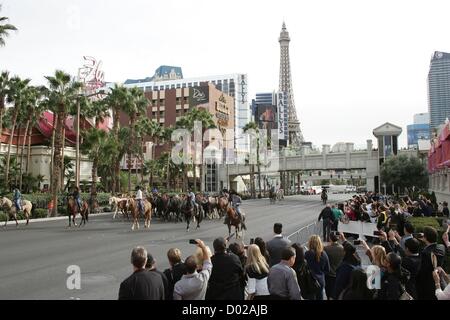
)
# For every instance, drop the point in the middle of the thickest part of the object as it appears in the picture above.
(294, 131)
(420, 130)
(439, 89)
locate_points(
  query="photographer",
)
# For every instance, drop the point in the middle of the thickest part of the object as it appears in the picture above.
(225, 281)
(193, 284)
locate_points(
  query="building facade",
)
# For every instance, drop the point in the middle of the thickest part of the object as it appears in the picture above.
(167, 106)
(233, 85)
(270, 111)
(439, 89)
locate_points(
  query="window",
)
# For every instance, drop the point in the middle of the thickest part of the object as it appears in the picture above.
(154, 102)
(178, 86)
(161, 88)
(178, 100)
(184, 85)
(185, 100)
(195, 84)
(172, 86)
(161, 114)
(167, 86)
(190, 85)
(162, 102)
(154, 114)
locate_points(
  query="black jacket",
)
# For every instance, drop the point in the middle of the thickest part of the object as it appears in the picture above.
(173, 275)
(412, 264)
(392, 285)
(425, 282)
(165, 284)
(326, 213)
(142, 285)
(225, 280)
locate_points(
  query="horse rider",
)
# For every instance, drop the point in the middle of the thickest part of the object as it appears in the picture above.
(191, 198)
(76, 196)
(140, 200)
(17, 197)
(236, 201)
(155, 191)
(272, 191)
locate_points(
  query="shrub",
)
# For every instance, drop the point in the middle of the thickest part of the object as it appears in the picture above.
(2, 216)
(40, 213)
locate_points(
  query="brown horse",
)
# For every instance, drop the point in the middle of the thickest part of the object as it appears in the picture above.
(222, 205)
(134, 209)
(233, 219)
(72, 210)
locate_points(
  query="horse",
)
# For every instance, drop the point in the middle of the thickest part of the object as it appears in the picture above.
(72, 209)
(134, 208)
(272, 197)
(222, 205)
(190, 212)
(280, 194)
(7, 204)
(119, 204)
(174, 207)
(213, 209)
(233, 219)
(324, 197)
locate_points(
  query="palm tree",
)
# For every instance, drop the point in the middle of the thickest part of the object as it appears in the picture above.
(188, 122)
(5, 28)
(16, 93)
(63, 93)
(4, 88)
(252, 126)
(95, 144)
(136, 104)
(115, 100)
(31, 108)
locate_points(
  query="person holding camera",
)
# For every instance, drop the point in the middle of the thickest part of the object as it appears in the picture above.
(439, 273)
(225, 281)
(193, 285)
(335, 252)
(432, 256)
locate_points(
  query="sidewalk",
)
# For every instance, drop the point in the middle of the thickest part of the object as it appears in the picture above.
(2, 223)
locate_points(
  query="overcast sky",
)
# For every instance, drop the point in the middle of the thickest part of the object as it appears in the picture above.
(355, 64)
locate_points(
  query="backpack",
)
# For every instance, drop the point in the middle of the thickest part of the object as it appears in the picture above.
(308, 284)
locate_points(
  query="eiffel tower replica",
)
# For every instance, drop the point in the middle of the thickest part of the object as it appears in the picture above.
(295, 133)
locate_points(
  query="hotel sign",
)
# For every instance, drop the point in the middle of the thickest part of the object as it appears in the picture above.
(281, 108)
(198, 95)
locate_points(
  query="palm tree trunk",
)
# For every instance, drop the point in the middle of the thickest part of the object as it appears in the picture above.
(8, 154)
(259, 169)
(168, 174)
(94, 180)
(2, 110)
(29, 150)
(195, 176)
(52, 163)
(252, 181)
(63, 168)
(16, 178)
(22, 151)
(57, 160)
(129, 172)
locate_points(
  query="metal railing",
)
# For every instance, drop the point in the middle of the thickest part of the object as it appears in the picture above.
(302, 235)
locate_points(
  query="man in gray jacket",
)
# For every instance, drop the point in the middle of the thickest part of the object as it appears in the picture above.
(282, 280)
(277, 244)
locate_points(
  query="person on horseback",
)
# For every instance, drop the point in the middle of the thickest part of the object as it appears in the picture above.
(17, 197)
(76, 196)
(235, 201)
(140, 200)
(191, 198)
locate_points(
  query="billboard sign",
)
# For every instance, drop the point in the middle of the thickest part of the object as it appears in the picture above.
(198, 96)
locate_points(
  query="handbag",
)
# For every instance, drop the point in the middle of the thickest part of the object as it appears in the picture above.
(308, 284)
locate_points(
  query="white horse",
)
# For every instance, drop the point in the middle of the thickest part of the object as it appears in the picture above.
(10, 207)
(119, 203)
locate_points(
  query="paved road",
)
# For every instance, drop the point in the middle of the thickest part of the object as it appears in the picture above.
(34, 259)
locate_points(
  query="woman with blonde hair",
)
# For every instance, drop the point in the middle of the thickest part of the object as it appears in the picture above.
(318, 263)
(257, 270)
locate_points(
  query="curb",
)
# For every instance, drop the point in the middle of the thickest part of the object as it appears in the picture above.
(2, 223)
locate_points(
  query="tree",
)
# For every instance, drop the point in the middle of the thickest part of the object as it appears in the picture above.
(62, 93)
(16, 95)
(188, 122)
(135, 106)
(95, 144)
(404, 172)
(5, 28)
(116, 100)
(4, 88)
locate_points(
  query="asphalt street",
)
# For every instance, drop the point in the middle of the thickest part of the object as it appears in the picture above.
(34, 259)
